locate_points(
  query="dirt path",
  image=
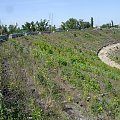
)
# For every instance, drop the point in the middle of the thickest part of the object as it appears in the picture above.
(106, 51)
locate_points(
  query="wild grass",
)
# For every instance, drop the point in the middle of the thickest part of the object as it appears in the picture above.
(40, 63)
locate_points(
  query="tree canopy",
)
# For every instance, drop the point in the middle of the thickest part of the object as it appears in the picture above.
(44, 25)
(73, 23)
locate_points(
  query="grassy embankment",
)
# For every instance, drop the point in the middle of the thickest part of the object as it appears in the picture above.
(58, 75)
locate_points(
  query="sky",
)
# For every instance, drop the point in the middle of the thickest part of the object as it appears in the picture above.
(21, 11)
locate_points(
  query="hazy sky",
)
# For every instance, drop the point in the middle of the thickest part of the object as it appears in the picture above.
(20, 11)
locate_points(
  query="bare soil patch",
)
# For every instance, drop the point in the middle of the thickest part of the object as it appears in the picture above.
(104, 53)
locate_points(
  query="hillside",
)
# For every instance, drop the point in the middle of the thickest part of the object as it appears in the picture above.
(59, 77)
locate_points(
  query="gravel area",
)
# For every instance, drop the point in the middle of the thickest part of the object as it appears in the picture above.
(106, 51)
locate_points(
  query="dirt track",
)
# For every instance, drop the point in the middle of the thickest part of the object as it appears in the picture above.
(106, 51)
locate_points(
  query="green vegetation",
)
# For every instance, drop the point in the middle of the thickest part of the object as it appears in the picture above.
(41, 25)
(115, 56)
(44, 25)
(110, 25)
(92, 22)
(75, 24)
(56, 76)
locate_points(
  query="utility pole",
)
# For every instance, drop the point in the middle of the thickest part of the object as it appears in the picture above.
(51, 21)
(49, 18)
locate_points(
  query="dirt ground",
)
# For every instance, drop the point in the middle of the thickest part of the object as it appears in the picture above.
(105, 51)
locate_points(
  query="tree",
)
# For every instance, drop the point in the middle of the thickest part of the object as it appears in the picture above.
(63, 26)
(5, 29)
(12, 29)
(33, 26)
(112, 24)
(72, 23)
(1, 29)
(80, 24)
(75, 24)
(83, 25)
(42, 25)
(92, 22)
(27, 27)
(52, 28)
(86, 25)
(108, 25)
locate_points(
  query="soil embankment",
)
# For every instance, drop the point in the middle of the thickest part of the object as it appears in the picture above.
(106, 51)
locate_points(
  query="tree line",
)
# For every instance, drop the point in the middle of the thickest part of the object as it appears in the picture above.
(109, 25)
(75, 24)
(44, 25)
(41, 25)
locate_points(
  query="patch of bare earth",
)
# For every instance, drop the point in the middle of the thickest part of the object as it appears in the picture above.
(104, 53)
(76, 108)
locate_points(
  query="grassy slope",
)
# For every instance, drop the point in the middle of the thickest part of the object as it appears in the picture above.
(52, 71)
